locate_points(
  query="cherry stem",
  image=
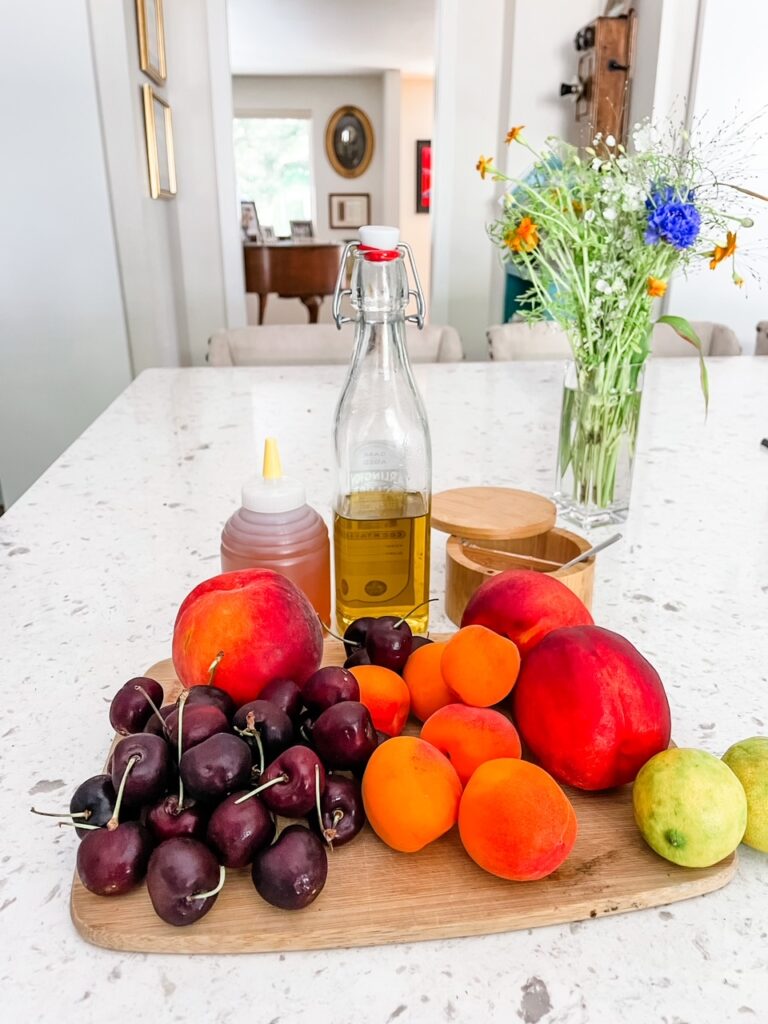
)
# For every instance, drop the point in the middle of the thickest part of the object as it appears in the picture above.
(79, 824)
(114, 821)
(182, 701)
(328, 839)
(212, 892)
(338, 814)
(421, 605)
(329, 631)
(154, 706)
(54, 814)
(260, 747)
(263, 786)
(213, 666)
(251, 731)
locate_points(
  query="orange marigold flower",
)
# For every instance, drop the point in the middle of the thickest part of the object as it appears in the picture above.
(484, 165)
(656, 287)
(722, 252)
(514, 134)
(523, 238)
(577, 207)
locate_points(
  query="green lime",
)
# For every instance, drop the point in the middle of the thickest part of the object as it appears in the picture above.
(689, 807)
(748, 760)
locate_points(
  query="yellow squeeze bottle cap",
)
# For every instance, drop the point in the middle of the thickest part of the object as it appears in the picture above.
(272, 492)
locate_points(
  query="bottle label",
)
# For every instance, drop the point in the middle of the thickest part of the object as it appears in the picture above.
(376, 466)
(376, 558)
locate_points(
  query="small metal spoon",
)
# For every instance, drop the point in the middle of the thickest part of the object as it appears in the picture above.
(591, 551)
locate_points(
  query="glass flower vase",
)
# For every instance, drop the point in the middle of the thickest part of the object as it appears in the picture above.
(598, 436)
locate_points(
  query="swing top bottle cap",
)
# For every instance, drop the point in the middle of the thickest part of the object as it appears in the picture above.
(272, 492)
(380, 240)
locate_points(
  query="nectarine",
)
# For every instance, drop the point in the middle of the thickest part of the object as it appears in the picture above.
(261, 624)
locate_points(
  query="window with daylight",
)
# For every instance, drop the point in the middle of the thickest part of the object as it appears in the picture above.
(273, 168)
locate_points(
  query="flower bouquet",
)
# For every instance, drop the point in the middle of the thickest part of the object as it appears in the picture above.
(598, 233)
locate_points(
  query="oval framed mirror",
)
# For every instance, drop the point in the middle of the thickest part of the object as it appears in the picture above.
(349, 141)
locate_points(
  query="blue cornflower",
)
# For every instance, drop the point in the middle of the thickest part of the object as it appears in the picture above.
(672, 218)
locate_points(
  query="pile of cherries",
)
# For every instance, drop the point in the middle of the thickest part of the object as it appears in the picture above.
(195, 787)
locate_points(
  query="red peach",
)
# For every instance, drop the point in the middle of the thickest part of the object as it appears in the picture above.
(524, 606)
(470, 736)
(590, 707)
(260, 622)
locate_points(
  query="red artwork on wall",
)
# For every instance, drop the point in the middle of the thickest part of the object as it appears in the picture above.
(423, 175)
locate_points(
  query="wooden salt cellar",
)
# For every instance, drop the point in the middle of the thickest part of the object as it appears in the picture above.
(496, 528)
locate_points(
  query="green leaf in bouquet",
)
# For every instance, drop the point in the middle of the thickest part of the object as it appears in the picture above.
(685, 329)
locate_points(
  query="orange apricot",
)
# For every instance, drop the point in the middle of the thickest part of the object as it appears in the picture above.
(411, 793)
(480, 666)
(425, 681)
(515, 821)
(385, 695)
(470, 736)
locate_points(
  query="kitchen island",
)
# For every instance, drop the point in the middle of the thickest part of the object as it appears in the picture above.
(96, 557)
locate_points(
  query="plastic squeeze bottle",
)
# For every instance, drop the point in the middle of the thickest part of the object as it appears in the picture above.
(277, 529)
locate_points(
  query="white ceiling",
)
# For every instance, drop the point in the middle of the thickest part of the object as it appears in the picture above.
(325, 37)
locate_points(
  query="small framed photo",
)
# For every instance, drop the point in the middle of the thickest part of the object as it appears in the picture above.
(249, 221)
(268, 233)
(149, 16)
(160, 157)
(423, 175)
(301, 229)
(349, 210)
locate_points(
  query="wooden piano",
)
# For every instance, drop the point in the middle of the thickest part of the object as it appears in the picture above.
(292, 270)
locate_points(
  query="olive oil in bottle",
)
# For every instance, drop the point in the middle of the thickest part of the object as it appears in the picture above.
(381, 528)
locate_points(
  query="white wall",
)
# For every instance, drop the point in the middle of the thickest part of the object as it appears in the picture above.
(498, 63)
(181, 258)
(417, 117)
(733, 39)
(63, 343)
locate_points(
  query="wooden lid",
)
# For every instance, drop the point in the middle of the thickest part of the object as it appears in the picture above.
(492, 513)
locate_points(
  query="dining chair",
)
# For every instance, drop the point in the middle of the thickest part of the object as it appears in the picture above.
(314, 344)
(761, 341)
(545, 340)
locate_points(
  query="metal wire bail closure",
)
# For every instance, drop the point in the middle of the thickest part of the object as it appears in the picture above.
(339, 291)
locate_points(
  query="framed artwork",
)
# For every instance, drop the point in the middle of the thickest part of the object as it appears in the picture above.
(249, 221)
(423, 175)
(349, 141)
(268, 234)
(149, 16)
(301, 229)
(158, 125)
(350, 210)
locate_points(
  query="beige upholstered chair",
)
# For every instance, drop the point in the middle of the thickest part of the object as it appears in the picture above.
(519, 340)
(761, 341)
(286, 344)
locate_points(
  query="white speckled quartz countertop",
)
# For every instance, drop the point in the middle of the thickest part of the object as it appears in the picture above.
(96, 557)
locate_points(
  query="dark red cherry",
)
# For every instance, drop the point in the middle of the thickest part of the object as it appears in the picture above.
(274, 727)
(237, 831)
(112, 861)
(295, 795)
(389, 642)
(284, 694)
(211, 695)
(154, 727)
(166, 820)
(180, 871)
(130, 710)
(216, 767)
(342, 810)
(148, 779)
(95, 798)
(328, 686)
(356, 632)
(291, 873)
(344, 736)
(358, 657)
(419, 641)
(199, 722)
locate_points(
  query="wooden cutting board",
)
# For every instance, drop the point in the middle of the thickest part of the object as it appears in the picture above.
(375, 895)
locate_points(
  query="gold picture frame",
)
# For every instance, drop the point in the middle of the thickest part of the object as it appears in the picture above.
(160, 154)
(351, 156)
(151, 25)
